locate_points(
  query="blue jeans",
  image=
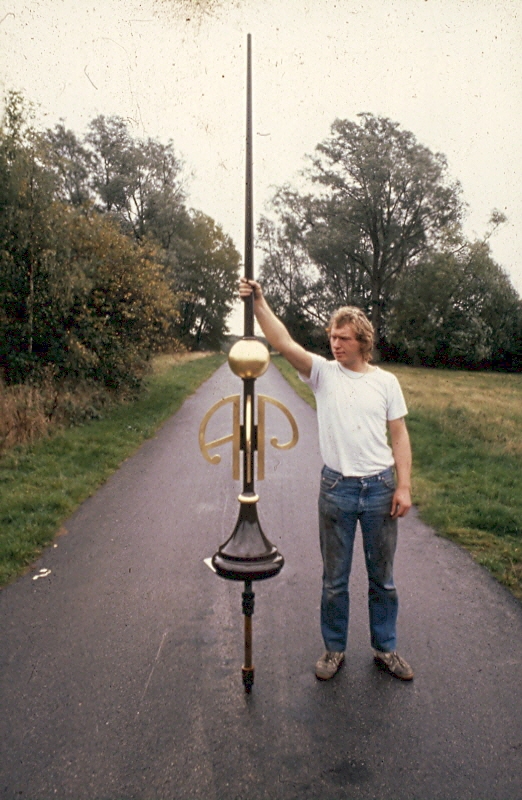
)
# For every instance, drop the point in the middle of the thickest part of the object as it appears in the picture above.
(342, 503)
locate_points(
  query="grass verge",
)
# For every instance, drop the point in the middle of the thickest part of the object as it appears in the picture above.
(42, 484)
(466, 432)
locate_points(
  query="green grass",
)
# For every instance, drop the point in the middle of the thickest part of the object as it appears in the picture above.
(41, 485)
(466, 433)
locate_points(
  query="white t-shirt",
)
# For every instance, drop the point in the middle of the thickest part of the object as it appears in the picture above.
(353, 409)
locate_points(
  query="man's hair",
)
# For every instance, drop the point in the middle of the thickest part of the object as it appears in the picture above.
(364, 333)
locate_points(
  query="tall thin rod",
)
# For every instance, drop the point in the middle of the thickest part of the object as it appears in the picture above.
(249, 208)
(248, 384)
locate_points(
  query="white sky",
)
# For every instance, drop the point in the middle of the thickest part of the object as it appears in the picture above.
(450, 71)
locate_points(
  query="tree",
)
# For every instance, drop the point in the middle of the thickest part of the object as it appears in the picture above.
(206, 273)
(33, 279)
(125, 312)
(138, 181)
(72, 165)
(385, 200)
(291, 281)
(457, 309)
(77, 296)
(99, 254)
(139, 184)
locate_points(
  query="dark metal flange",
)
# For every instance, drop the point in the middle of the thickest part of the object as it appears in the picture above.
(247, 554)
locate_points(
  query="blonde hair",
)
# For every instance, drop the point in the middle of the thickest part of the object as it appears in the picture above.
(364, 333)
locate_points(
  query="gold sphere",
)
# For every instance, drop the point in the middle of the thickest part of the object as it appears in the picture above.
(249, 358)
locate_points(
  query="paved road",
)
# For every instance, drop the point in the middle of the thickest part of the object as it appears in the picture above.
(120, 671)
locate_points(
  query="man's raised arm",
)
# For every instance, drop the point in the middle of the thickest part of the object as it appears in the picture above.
(274, 330)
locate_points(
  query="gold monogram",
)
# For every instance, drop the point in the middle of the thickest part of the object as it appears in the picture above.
(258, 443)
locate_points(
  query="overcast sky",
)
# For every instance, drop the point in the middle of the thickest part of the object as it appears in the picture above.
(450, 71)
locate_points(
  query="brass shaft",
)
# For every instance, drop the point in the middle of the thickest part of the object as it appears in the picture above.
(248, 611)
(248, 642)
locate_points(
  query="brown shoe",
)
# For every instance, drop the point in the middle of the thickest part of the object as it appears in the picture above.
(328, 665)
(394, 664)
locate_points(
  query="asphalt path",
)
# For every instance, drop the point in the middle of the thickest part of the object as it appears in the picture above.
(120, 668)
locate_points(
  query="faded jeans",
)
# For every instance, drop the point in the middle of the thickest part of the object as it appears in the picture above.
(342, 503)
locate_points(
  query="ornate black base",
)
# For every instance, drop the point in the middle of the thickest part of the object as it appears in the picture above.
(247, 569)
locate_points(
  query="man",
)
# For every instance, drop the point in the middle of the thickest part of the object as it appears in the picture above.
(364, 479)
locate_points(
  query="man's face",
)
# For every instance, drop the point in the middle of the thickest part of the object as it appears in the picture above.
(345, 347)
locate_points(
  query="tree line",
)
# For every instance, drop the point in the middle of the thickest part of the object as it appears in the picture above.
(102, 263)
(380, 227)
